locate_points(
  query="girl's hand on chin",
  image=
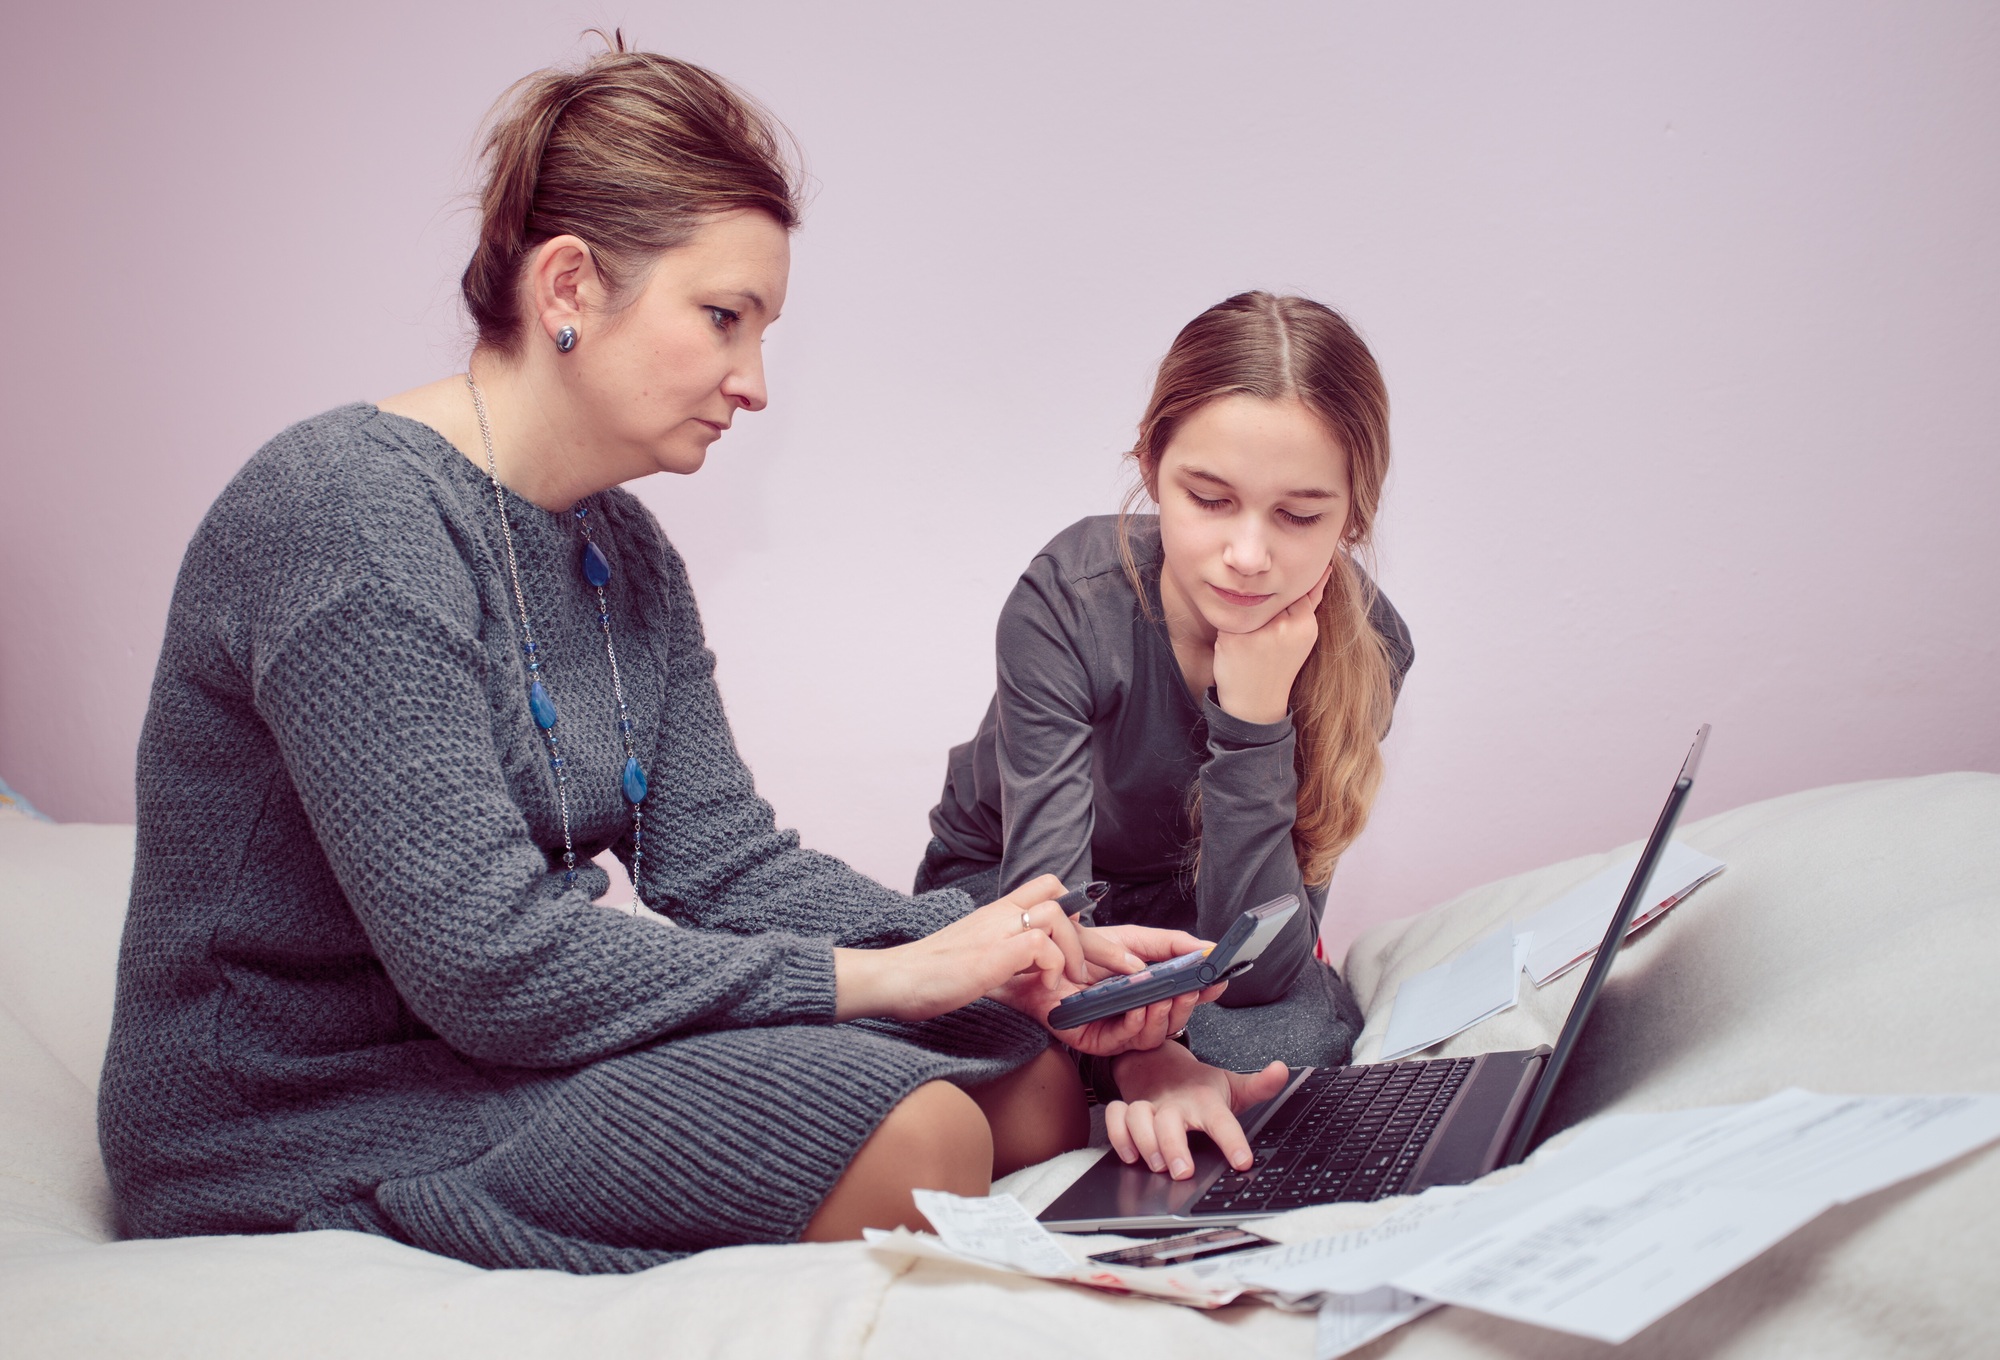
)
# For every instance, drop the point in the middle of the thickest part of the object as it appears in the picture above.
(1024, 933)
(1254, 671)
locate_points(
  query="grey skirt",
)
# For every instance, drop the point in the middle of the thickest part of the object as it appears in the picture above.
(706, 1140)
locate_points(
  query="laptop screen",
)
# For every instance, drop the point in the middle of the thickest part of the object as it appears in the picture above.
(1607, 951)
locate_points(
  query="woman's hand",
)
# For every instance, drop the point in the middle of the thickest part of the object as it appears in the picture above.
(1108, 951)
(1024, 932)
(1254, 671)
(1169, 1091)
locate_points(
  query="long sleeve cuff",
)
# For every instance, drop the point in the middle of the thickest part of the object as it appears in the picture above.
(1233, 734)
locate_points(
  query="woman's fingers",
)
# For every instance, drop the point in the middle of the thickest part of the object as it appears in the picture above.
(1110, 952)
(1114, 1033)
(1041, 952)
(1158, 1026)
(1067, 937)
(1179, 1009)
(1153, 944)
(1039, 889)
(1035, 901)
(1024, 951)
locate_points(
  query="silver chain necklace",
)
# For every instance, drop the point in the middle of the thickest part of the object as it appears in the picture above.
(596, 568)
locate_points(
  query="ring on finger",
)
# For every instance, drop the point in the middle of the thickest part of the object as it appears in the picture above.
(1026, 924)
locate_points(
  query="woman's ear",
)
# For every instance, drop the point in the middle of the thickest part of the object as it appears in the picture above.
(563, 286)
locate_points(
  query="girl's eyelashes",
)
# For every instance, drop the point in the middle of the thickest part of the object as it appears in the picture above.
(1221, 503)
(723, 317)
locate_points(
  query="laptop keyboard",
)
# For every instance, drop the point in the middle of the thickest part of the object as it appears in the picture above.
(1347, 1133)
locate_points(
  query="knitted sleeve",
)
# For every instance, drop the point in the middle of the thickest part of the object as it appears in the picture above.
(377, 701)
(715, 856)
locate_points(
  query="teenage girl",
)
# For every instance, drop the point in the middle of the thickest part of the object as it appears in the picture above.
(1191, 705)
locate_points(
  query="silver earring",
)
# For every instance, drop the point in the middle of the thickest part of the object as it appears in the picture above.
(566, 339)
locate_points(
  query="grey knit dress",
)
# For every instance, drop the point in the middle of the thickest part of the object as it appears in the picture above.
(354, 991)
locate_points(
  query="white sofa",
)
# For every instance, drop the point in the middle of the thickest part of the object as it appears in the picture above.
(1849, 947)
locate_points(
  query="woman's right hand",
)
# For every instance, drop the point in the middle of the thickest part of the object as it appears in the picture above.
(1110, 950)
(1025, 931)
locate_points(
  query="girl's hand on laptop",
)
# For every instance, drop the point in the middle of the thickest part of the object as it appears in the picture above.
(1022, 937)
(1109, 951)
(1169, 1091)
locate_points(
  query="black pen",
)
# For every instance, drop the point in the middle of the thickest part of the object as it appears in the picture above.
(1081, 899)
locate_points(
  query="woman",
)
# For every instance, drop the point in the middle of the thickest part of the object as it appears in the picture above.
(1191, 705)
(424, 662)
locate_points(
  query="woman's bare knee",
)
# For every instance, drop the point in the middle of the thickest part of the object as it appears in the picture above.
(936, 1138)
(1035, 1112)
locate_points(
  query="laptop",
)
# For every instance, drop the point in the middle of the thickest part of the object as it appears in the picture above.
(1371, 1130)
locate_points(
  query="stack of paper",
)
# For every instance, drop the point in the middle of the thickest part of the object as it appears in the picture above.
(996, 1231)
(1569, 929)
(1437, 1003)
(1606, 1254)
(1484, 978)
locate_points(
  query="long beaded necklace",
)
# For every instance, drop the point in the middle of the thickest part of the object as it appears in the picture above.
(596, 568)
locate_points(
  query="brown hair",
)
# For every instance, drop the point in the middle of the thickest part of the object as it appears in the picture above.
(629, 152)
(1292, 348)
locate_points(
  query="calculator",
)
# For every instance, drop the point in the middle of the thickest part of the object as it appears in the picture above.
(1239, 948)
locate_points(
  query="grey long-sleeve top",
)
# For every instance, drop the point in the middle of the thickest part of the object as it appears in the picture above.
(1086, 761)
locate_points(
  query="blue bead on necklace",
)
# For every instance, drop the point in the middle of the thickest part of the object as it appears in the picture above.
(596, 570)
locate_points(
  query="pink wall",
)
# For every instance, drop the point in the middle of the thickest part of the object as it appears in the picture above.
(1689, 319)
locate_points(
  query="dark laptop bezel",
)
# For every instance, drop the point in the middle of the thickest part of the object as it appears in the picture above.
(1523, 1140)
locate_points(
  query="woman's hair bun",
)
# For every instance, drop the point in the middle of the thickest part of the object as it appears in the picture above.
(628, 152)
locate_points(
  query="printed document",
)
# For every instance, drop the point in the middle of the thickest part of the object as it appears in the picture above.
(996, 1231)
(1482, 980)
(1348, 1322)
(1600, 1237)
(1569, 929)
(1606, 1254)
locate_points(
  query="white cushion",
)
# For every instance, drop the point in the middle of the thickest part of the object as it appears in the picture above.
(63, 889)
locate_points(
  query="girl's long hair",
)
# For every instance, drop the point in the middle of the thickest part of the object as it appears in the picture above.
(1279, 349)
